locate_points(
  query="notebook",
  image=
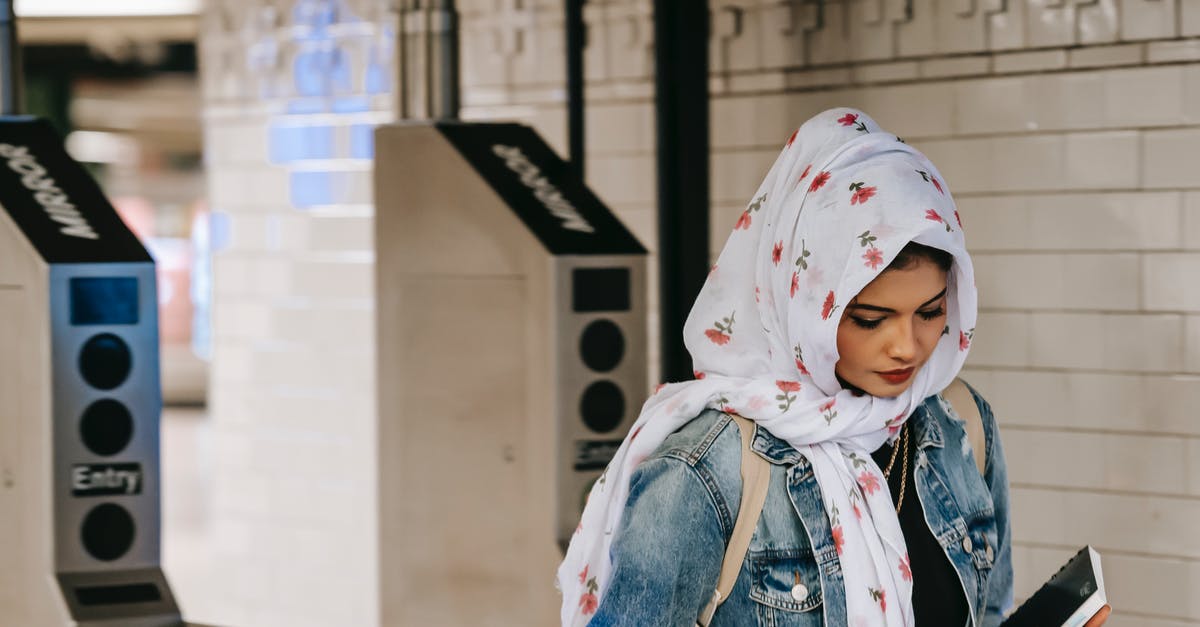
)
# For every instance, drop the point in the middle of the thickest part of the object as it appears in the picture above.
(1070, 598)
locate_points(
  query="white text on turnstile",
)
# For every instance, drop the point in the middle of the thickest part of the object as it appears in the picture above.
(545, 192)
(52, 199)
(106, 480)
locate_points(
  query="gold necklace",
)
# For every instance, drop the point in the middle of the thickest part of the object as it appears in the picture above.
(901, 442)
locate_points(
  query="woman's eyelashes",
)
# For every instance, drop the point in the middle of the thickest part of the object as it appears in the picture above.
(932, 314)
(871, 323)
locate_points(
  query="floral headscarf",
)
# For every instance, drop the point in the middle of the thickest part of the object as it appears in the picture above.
(840, 202)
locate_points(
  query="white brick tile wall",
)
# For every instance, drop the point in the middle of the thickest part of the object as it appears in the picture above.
(1169, 281)
(1148, 19)
(1169, 51)
(886, 72)
(1066, 222)
(1002, 339)
(1122, 462)
(1192, 344)
(1192, 480)
(955, 66)
(1167, 158)
(1191, 220)
(622, 180)
(1127, 102)
(1097, 23)
(1105, 56)
(1032, 61)
(1111, 342)
(1057, 281)
(1157, 525)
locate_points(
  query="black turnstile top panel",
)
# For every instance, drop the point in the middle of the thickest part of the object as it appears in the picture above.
(541, 189)
(55, 202)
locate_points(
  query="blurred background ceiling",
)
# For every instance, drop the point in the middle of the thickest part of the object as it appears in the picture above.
(119, 66)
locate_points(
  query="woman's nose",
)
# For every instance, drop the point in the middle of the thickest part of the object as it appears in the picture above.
(902, 345)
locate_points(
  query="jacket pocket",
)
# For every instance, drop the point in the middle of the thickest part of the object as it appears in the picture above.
(785, 584)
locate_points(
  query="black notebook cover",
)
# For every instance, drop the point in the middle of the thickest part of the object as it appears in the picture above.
(1072, 596)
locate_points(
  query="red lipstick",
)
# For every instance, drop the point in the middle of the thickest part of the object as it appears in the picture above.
(897, 376)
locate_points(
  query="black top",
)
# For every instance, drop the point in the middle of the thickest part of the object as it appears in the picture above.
(938, 597)
(542, 189)
(54, 201)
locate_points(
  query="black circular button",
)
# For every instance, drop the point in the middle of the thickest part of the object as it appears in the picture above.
(105, 361)
(108, 532)
(602, 406)
(602, 345)
(106, 427)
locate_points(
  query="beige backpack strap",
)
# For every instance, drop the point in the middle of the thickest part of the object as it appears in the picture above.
(963, 403)
(756, 472)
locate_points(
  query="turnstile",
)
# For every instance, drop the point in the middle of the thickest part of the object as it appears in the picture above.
(511, 314)
(79, 398)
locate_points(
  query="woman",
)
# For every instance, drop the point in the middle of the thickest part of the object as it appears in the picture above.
(842, 303)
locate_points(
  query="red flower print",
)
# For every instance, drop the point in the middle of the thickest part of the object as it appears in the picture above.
(894, 424)
(795, 284)
(937, 184)
(658, 388)
(785, 399)
(905, 568)
(793, 137)
(756, 292)
(588, 602)
(868, 482)
(861, 194)
(743, 221)
(804, 174)
(699, 375)
(583, 574)
(957, 218)
(828, 308)
(839, 538)
(632, 437)
(827, 411)
(800, 361)
(964, 342)
(721, 332)
(931, 214)
(718, 338)
(857, 512)
(819, 181)
(848, 120)
(777, 252)
(874, 258)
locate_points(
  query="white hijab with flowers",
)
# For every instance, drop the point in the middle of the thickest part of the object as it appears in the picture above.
(842, 199)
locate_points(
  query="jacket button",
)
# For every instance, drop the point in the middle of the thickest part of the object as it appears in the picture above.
(988, 552)
(967, 546)
(799, 592)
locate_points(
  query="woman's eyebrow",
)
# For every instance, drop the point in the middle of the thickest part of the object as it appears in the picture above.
(887, 310)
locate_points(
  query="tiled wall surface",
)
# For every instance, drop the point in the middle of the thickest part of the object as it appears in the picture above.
(1067, 131)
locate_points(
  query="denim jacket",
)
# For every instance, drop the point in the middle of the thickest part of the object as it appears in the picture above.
(684, 499)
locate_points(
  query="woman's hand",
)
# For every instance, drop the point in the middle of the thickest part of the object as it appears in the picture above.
(1099, 618)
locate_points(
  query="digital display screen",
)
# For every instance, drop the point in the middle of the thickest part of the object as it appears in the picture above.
(104, 300)
(600, 289)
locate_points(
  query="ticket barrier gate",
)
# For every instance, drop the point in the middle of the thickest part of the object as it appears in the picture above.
(79, 398)
(511, 316)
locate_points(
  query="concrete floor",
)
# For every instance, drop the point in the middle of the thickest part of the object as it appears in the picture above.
(187, 462)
